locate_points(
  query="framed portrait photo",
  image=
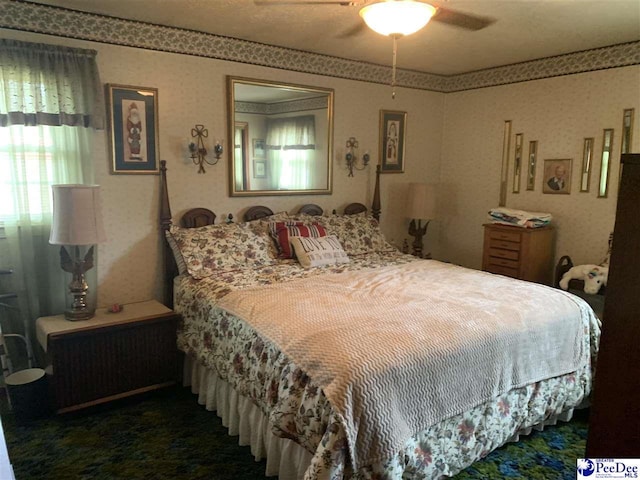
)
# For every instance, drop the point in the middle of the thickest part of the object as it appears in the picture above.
(259, 168)
(393, 126)
(259, 149)
(133, 129)
(557, 176)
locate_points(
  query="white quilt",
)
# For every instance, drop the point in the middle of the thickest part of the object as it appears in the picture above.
(400, 348)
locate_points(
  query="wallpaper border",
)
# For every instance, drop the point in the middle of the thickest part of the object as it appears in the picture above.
(62, 22)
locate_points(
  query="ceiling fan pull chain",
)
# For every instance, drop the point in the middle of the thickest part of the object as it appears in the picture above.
(393, 69)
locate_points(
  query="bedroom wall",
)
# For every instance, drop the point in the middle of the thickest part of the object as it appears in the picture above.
(558, 112)
(192, 91)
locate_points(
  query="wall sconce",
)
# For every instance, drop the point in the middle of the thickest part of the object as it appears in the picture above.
(352, 156)
(198, 150)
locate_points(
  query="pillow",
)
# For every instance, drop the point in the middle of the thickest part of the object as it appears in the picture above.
(359, 234)
(315, 252)
(261, 227)
(182, 266)
(282, 231)
(221, 248)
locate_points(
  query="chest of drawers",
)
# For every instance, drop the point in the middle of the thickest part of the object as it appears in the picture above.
(517, 252)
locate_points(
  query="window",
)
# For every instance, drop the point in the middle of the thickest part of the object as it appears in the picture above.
(31, 160)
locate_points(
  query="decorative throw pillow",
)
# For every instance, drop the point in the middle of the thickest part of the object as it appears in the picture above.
(359, 234)
(221, 248)
(283, 231)
(315, 252)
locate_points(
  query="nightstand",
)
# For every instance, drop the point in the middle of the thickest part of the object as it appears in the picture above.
(110, 356)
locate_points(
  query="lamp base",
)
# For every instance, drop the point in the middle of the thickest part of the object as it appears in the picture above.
(80, 314)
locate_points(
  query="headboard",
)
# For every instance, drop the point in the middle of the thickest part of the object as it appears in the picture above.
(198, 217)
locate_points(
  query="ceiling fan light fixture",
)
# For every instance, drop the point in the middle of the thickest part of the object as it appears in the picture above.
(397, 17)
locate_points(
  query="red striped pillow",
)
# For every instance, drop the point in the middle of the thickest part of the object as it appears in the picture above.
(282, 231)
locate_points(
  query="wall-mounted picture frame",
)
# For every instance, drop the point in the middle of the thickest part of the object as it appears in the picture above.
(133, 129)
(259, 168)
(259, 148)
(393, 125)
(517, 163)
(587, 164)
(504, 171)
(605, 162)
(557, 176)
(531, 165)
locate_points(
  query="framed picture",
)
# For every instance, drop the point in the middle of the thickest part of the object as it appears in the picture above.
(392, 139)
(133, 129)
(557, 176)
(259, 150)
(259, 168)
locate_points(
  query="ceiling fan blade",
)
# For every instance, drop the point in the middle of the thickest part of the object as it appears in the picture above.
(462, 20)
(353, 31)
(344, 3)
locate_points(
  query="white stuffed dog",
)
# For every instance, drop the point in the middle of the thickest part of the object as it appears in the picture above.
(594, 277)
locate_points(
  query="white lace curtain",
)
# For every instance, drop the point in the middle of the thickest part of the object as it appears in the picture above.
(49, 95)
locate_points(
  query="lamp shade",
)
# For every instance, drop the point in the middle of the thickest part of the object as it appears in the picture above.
(76, 215)
(421, 201)
(397, 17)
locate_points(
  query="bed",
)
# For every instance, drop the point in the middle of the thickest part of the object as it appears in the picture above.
(336, 356)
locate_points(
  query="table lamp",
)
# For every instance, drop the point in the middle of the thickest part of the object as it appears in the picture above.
(421, 206)
(77, 222)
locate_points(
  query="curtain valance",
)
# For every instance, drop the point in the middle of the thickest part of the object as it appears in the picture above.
(49, 85)
(291, 133)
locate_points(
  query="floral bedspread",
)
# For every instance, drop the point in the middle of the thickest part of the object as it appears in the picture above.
(298, 409)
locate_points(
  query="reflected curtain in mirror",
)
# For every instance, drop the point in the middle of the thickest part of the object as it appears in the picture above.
(291, 152)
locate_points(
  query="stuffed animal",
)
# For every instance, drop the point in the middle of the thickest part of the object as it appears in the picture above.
(594, 277)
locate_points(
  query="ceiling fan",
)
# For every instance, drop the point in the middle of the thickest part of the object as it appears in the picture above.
(395, 18)
(439, 13)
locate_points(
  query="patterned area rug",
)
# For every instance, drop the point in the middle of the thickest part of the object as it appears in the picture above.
(166, 435)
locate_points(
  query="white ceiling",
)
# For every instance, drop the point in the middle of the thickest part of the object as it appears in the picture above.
(524, 29)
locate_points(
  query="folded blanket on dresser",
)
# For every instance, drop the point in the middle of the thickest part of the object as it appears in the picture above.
(519, 218)
(397, 349)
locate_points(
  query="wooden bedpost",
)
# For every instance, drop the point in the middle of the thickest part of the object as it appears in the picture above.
(375, 205)
(168, 262)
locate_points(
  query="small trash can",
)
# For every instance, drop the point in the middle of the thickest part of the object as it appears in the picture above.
(28, 393)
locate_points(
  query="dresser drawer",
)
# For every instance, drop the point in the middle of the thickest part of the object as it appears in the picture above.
(524, 253)
(503, 262)
(509, 254)
(507, 236)
(509, 272)
(493, 243)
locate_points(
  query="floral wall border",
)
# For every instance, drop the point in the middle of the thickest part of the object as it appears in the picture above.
(62, 22)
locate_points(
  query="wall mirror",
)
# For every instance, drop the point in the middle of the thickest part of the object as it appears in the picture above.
(282, 138)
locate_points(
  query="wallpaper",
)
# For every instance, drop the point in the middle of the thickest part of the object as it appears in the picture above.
(33, 17)
(557, 112)
(453, 140)
(191, 91)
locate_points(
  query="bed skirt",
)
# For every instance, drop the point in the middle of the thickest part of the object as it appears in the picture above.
(285, 458)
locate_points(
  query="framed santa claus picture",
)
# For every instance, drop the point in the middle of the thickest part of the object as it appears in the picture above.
(133, 129)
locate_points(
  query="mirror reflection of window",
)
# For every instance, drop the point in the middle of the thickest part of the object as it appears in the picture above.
(291, 143)
(290, 136)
